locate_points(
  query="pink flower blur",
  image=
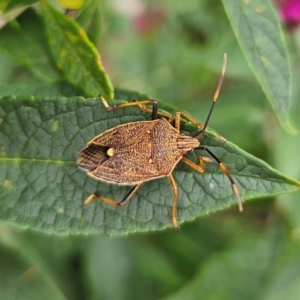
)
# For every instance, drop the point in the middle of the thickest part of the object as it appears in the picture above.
(289, 11)
(147, 22)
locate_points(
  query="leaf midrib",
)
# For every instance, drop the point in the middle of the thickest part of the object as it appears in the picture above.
(61, 162)
(33, 160)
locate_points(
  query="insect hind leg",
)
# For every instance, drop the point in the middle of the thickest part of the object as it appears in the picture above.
(175, 196)
(111, 201)
(90, 198)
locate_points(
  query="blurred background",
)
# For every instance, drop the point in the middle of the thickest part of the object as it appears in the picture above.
(172, 51)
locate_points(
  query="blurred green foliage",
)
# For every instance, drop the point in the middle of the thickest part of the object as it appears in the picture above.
(171, 50)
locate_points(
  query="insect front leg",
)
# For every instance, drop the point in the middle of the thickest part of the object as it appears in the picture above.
(157, 113)
(181, 114)
(141, 104)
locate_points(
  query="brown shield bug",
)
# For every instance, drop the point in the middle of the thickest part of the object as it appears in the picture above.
(136, 152)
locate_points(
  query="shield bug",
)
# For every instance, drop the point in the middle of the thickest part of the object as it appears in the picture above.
(136, 152)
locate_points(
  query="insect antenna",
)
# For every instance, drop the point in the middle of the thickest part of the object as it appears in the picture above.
(216, 95)
(197, 135)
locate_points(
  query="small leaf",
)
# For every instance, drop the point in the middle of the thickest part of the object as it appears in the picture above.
(260, 37)
(42, 187)
(72, 4)
(8, 5)
(89, 19)
(75, 55)
(24, 41)
(38, 89)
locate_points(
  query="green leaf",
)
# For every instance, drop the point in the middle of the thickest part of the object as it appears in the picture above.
(8, 5)
(89, 19)
(250, 260)
(257, 29)
(284, 281)
(22, 275)
(101, 252)
(75, 55)
(42, 187)
(24, 41)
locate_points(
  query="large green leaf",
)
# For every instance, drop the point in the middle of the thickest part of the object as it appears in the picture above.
(259, 35)
(259, 259)
(42, 187)
(23, 275)
(75, 54)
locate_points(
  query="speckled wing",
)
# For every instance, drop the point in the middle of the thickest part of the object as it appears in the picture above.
(138, 152)
(125, 171)
(120, 137)
(123, 136)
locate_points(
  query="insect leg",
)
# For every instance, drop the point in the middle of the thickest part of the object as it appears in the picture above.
(190, 163)
(141, 104)
(174, 206)
(181, 114)
(226, 172)
(111, 201)
(158, 113)
(129, 195)
(95, 195)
